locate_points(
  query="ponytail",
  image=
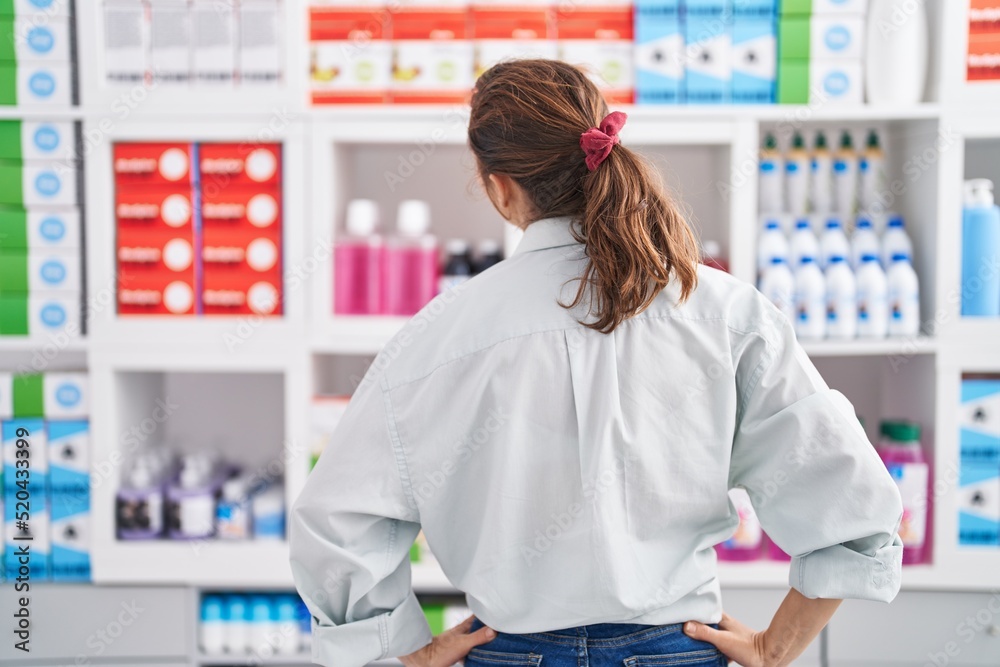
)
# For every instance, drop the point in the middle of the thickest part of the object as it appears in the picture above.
(526, 122)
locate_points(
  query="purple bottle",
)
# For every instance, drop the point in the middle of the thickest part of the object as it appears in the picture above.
(357, 262)
(411, 261)
(193, 497)
(139, 503)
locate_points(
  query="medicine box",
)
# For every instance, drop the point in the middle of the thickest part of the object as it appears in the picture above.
(659, 58)
(433, 55)
(36, 527)
(833, 82)
(708, 59)
(33, 271)
(754, 61)
(70, 535)
(25, 435)
(154, 207)
(601, 42)
(37, 140)
(821, 37)
(69, 455)
(856, 7)
(143, 163)
(35, 84)
(41, 313)
(979, 421)
(37, 183)
(223, 166)
(979, 505)
(52, 395)
(39, 228)
(350, 55)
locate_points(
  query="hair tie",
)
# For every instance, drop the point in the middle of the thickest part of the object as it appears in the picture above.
(598, 141)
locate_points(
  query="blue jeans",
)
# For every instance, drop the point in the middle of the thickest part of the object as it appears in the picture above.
(603, 645)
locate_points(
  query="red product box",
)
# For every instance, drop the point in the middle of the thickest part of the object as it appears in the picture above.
(235, 165)
(608, 23)
(506, 23)
(241, 208)
(142, 207)
(152, 164)
(984, 16)
(242, 271)
(983, 60)
(157, 270)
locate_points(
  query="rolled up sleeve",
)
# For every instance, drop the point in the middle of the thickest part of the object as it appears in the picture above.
(350, 534)
(820, 490)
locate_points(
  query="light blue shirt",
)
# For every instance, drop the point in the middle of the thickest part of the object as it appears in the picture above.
(565, 477)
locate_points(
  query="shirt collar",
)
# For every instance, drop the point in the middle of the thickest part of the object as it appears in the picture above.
(547, 233)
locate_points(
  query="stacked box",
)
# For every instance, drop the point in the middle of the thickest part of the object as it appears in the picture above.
(69, 488)
(979, 445)
(659, 52)
(350, 54)
(983, 60)
(754, 51)
(511, 29)
(432, 52)
(36, 54)
(597, 36)
(708, 36)
(40, 248)
(821, 51)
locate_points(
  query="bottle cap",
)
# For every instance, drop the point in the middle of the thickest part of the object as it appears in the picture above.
(362, 217)
(770, 142)
(211, 608)
(234, 489)
(488, 247)
(833, 223)
(901, 431)
(869, 257)
(777, 260)
(140, 477)
(413, 218)
(820, 140)
(896, 222)
(802, 224)
(456, 247)
(845, 140)
(864, 223)
(872, 139)
(900, 257)
(978, 193)
(797, 141)
(260, 608)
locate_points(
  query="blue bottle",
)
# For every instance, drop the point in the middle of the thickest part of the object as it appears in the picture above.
(980, 251)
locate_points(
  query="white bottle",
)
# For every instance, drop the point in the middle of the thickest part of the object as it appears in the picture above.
(845, 176)
(841, 299)
(896, 58)
(833, 242)
(873, 298)
(777, 284)
(904, 297)
(237, 615)
(212, 629)
(872, 169)
(895, 241)
(810, 300)
(772, 174)
(772, 244)
(864, 241)
(797, 177)
(822, 176)
(261, 636)
(804, 243)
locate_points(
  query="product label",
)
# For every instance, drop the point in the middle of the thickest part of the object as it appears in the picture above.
(165, 208)
(912, 480)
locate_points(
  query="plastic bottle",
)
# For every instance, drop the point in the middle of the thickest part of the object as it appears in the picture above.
(900, 450)
(212, 629)
(833, 242)
(488, 253)
(797, 177)
(411, 267)
(872, 169)
(772, 244)
(232, 515)
(864, 241)
(268, 507)
(904, 297)
(237, 615)
(778, 284)
(261, 628)
(873, 298)
(841, 299)
(804, 243)
(810, 300)
(139, 506)
(822, 176)
(746, 542)
(357, 262)
(772, 174)
(895, 240)
(711, 255)
(845, 176)
(287, 625)
(896, 59)
(191, 500)
(980, 251)
(457, 265)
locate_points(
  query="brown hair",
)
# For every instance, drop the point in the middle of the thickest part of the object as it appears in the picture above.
(526, 122)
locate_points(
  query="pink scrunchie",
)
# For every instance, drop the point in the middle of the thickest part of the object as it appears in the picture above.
(598, 141)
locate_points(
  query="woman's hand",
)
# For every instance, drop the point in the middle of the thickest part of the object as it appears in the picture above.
(738, 642)
(450, 646)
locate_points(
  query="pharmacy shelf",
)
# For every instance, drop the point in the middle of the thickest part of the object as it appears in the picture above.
(42, 344)
(864, 348)
(293, 660)
(357, 334)
(40, 113)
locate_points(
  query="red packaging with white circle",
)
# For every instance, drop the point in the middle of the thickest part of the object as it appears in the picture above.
(152, 164)
(156, 272)
(241, 207)
(166, 208)
(242, 271)
(238, 165)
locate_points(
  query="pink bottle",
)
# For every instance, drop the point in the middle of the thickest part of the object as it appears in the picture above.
(745, 544)
(900, 450)
(357, 262)
(411, 261)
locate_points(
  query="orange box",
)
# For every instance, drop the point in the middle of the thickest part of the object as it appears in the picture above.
(242, 270)
(159, 207)
(157, 272)
(983, 62)
(600, 41)
(984, 16)
(506, 23)
(224, 165)
(152, 164)
(433, 60)
(350, 55)
(241, 207)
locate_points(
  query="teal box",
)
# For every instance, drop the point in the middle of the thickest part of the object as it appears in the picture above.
(979, 421)
(659, 58)
(755, 60)
(26, 552)
(32, 432)
(708, 62)
(69, 456)
(979, 505)
(70, 557)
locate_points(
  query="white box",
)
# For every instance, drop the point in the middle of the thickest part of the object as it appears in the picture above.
(213, 41)
(6, 396)
(42, 9)
(260, 42)
(170, 41)
(420, 64)
(56, 228)
(125, 42)
(608, 63)
(54, 271)
(344, 66)
(836, 82)
(55, 314)
(48, 140)
(44, 84)
(48, 184)
(836, 36)
(66, 395)
(42, 41)
(856, 7)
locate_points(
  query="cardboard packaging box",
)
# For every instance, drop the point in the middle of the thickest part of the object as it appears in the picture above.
(225, 165)
(39, 314)
(659, 54)
(39, 229)
(503, 33)
(70, 536)
(979, 505)
(159, 271)
(350, 55)
(152, 163)
(37, 183)
(755, 65)
(600, 41)
(433, 57)
(979, 421)
(52, 396)
(708, 35)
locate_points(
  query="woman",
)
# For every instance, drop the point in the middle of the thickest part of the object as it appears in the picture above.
(565, 429)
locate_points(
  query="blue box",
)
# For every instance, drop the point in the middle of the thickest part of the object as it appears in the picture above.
(707, 7)
(979, 505)
(39, 565)
(70, 536)
(69, 456)
(708, 58)
(37, 459)
(659, 59)
(760, 9)
(979, 422)
(755, 60)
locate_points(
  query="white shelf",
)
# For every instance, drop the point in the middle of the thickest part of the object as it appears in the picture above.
(40, 113)
(40, 344)
(864, 348)
(253, 659)
(357, 334)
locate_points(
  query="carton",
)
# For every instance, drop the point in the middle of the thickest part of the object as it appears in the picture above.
(45, 41)
(37, 183)
(69, 455)
(126, 54)
(39, 229)
(754, 61)
(433, 55)
(21, 435)
(979, 421)
(822, 37)
(600, 41)
(836, 82)
(36, 84)
(221, 166)
(214, 44)
(241, 207)
(242, 271)
(659, 57)
(143, 163)
(154, 207)
(170, 41)
(52, 396)
(70, 535)
(38, 140)
(350, 55)
(158, 270)
(708, 52)
(39, 270)
(979, 505)
(260, 41)
(983, 62)
(503, 33)
(53, 314)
